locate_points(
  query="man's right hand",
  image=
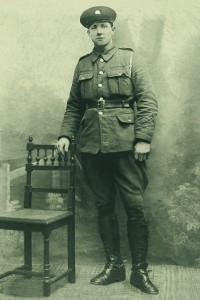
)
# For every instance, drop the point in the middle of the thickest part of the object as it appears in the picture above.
(62, 145)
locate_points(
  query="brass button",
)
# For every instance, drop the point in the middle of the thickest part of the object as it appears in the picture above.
(100, 72)
(100, 85)
(100, 113)
(101, 60)
(129, 120)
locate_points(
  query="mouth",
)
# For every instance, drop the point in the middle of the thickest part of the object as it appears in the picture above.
(100, 38)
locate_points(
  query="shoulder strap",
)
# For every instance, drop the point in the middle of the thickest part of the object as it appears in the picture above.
(84, 56)
(130, 59)
(129, 49)
(130, 64)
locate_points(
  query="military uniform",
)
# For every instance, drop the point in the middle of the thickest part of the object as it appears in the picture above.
(102, 101)
(112, 103)
(116, 80)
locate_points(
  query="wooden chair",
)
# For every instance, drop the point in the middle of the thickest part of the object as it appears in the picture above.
(31, 220)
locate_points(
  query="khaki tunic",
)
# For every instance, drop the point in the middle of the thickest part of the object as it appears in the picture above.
(116, 75)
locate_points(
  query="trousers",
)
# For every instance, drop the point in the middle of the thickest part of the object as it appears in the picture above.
(109, 173)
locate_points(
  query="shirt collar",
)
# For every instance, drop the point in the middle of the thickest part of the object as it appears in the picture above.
(106, 56)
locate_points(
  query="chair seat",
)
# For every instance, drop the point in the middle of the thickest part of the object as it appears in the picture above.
(34, 216)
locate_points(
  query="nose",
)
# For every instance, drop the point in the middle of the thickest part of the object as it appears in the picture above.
(99, 31)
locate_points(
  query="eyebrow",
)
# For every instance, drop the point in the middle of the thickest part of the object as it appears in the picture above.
(103, 23)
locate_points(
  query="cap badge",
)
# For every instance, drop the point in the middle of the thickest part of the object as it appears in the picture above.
(97, 12)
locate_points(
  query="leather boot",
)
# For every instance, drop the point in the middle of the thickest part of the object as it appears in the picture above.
(114, 270)
(138, 236)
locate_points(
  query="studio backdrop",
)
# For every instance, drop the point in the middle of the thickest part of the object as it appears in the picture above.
(40, 44)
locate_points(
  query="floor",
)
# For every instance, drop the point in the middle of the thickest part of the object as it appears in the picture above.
(174, 283)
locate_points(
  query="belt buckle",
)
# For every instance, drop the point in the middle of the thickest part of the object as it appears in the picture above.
(101, 104)
(125, 104)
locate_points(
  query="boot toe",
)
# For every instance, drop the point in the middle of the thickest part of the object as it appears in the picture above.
(99, 279)
(143, 282)
(96, 281)
(150, 289)
(109, 276)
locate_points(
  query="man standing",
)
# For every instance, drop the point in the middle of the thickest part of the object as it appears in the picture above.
(112, 102)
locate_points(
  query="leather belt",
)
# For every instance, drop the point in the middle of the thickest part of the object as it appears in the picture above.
(106, 104)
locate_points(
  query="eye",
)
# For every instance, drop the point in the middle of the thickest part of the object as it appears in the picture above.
(93, 27)
(103, 25)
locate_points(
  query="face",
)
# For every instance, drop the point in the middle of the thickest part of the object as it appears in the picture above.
(101, 33)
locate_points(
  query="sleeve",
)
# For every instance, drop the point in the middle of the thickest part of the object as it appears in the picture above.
(146, 103)
(74, 110)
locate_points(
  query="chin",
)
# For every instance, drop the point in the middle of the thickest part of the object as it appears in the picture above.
(100, 43)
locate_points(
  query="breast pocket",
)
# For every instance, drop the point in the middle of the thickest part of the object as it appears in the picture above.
(119, 82)
(86, 84)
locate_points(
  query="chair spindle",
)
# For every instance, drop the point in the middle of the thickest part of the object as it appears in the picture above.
(53, 157)
(38, 156)
(45, 157)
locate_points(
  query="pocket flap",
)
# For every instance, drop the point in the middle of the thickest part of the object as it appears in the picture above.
(126, 118)
(85, 76)
(117, 73)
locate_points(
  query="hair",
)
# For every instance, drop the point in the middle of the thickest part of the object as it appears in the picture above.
(110, 22)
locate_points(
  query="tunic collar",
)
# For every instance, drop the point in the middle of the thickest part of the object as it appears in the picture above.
(106, 55)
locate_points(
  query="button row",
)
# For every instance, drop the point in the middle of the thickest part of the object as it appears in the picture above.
(100, 112)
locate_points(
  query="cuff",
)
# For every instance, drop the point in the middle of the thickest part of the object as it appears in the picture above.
(142, 140)
(64, 136)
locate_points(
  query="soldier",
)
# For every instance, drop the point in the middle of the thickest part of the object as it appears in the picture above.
(112, 102)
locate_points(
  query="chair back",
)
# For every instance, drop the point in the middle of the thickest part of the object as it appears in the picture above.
(44, 157)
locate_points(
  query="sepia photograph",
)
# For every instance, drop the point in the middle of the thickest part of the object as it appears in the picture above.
(99, 153)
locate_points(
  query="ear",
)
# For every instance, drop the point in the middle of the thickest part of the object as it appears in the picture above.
(88, 32)
(113, 29)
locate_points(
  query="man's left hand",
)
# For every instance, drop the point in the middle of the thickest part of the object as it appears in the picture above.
(142, 150)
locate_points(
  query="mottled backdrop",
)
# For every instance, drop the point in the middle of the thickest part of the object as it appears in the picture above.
(40, 43)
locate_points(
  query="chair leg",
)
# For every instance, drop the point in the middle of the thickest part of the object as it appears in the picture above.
(71, 251)
(28, 252)
(46, 284)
